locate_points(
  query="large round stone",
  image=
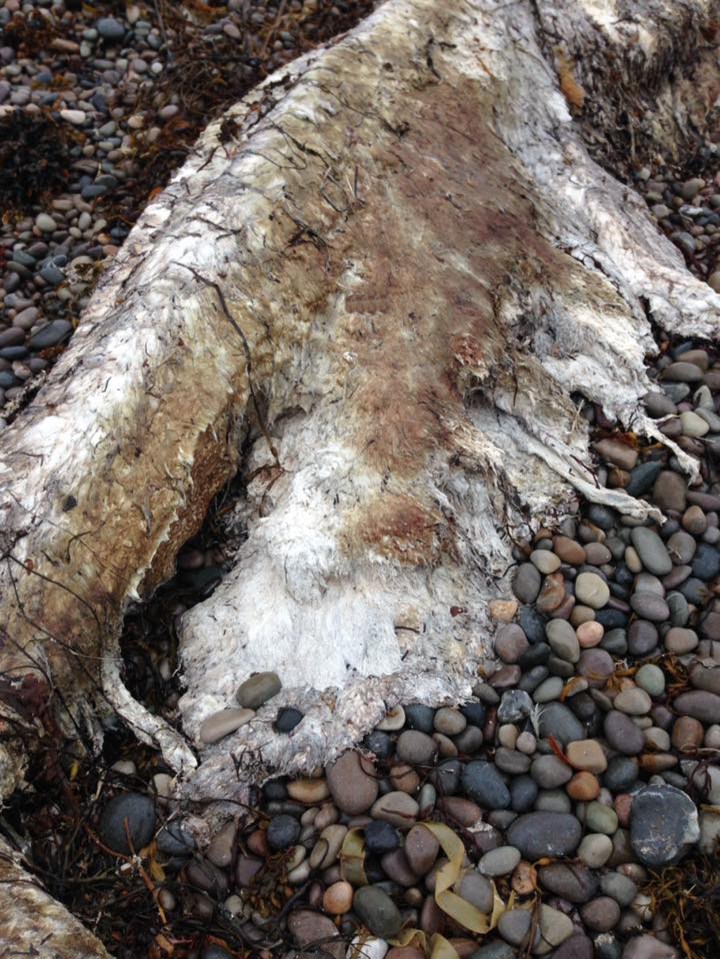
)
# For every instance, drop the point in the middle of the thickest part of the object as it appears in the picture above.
(352, 783)
(663, 825)
(257, 689)
(127, 823)
(539, 834)
(483, 783)
(377, 911)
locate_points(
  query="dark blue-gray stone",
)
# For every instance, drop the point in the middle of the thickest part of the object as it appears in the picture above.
(379, 743)
(572, 881)
(173, 840)
(50, 335)
(138, 812)
(558, 721)
(377, 910)
(663, 825)
(621, 774)
(523, 793)
(283, 831)
(539, 834)
(611, 618)
(601, 516)
(532, 623)
(52, 275)
(420, 717)
(482, 783)
(642, 478)
(706, 562)
(110, 29)
(446, 777)
(536, 655)
(287, 719)
(381, 837)
(475, 713)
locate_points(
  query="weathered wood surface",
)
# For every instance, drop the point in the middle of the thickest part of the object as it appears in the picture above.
(393, 279)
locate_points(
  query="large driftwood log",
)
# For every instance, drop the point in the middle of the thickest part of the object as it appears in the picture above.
(391, 271)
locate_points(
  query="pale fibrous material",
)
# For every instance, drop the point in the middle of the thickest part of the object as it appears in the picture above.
(392, 285)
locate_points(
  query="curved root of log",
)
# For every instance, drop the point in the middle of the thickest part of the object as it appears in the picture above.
(392, 272)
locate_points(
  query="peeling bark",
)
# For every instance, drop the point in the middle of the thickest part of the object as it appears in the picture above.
(390, 279)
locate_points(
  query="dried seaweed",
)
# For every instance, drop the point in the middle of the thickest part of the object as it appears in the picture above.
(35, 159)
(687, 897)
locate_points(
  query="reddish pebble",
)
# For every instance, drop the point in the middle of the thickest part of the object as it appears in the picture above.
(583, 787)
(338, 898)
(257, 843)
(623, 805)
(590, 634)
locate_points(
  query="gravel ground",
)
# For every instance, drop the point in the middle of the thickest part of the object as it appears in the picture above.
(98, 105)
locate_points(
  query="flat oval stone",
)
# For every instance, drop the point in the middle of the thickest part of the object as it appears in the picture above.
(591, 590)
(552, 593)
(377, 911)
(650, 606)
(596, 666)
(619, 887)
(138, 812)
(595, 850)
(623, 734)
(569, 550)
(539, 834)
(699, 704)
(633, 701)
(397, 808)
(309, 791)
(563, 640)
(559, 721)
(257, 689)
(477, 890)
(651, 550)
(545, 560)
(600, 915)
(549, 772)
(510, 643)
(651, 678)
(587, 754)
(223, 722)
(663, 825)
(500, 861)
(571, 881)
(555, 926)
(421, 849)
(642, 637)
(352, 782)
(451, 722)
(526, 582)
(415, 748)
(681, 547)
(511, 761)
(483, 784)
(50, 335)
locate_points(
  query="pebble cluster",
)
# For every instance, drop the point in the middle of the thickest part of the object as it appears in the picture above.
(586, 760)
(688, 212)
(97, 107)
